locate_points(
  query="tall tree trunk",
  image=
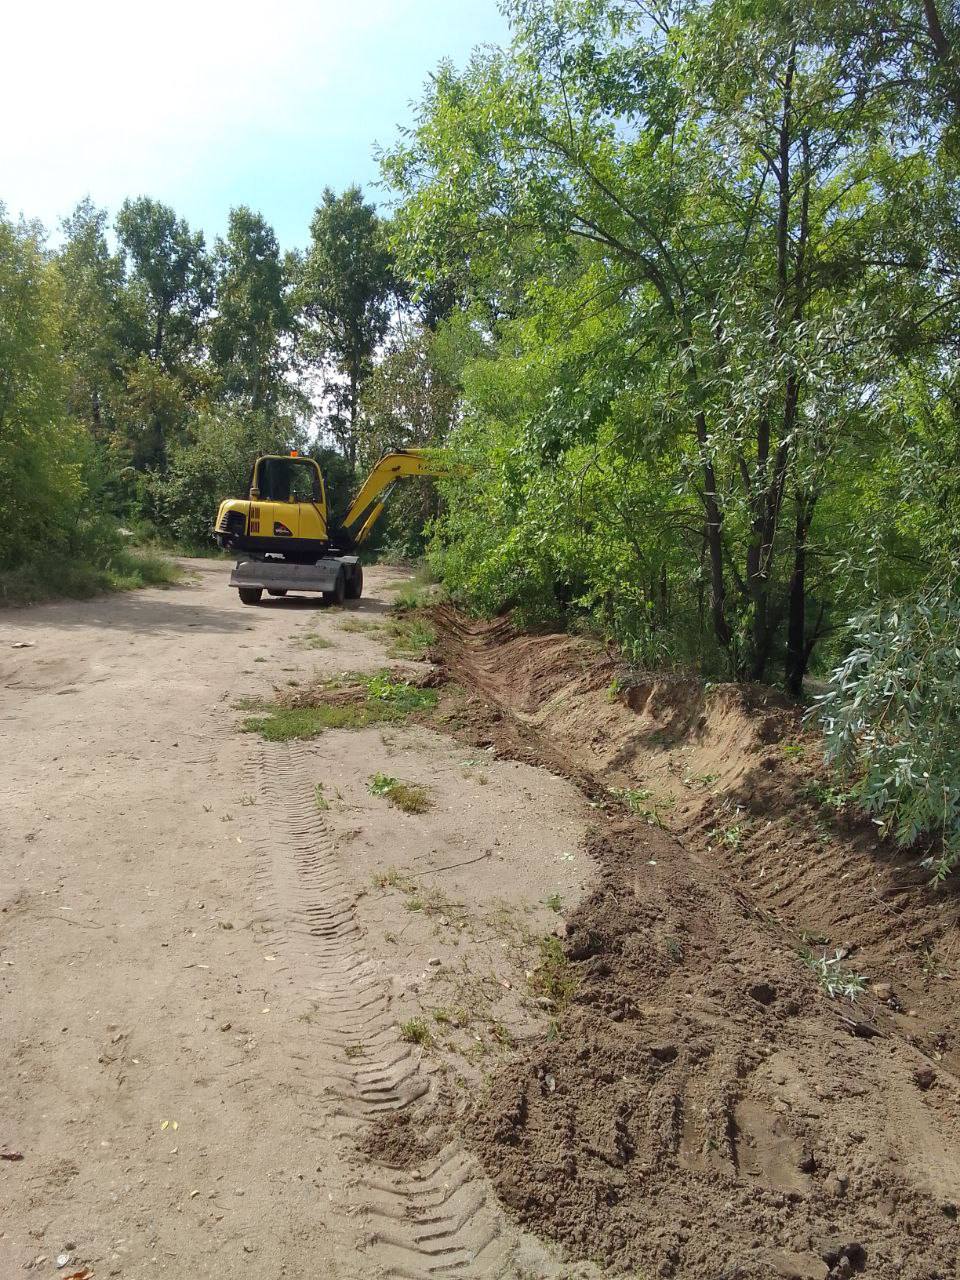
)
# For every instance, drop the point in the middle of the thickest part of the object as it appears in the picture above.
(712, 533)
(798, 651)
(352, 441)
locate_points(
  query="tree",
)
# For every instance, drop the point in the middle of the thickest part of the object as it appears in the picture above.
(409, 400)
(170, 279)
(704, 201)
(344, 291)
(92, 326)
(251, 331)
(46, 510)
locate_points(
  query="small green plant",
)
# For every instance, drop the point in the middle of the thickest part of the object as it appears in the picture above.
(416, 1031)
(360, 626)
(286, 723)
(381, 784)
(674, 948)
(553, 976)
(833, 799)
(412, 637)
(314, 641)
(355, 1051)
(323, 804)
(555, 902)
(408, 796)
(731, 835)
(792, 749)
(833, 978)
(406, 697)
(392, 878)
(379, 698)
(702, 779)
(635, 800)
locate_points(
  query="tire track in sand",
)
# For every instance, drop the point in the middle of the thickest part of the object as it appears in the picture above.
(436, 1220)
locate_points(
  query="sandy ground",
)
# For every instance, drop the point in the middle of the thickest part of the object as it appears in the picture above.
(202, 974)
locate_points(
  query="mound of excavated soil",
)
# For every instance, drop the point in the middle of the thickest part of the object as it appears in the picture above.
(705, 1110)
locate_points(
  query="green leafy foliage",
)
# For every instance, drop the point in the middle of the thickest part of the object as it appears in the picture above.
(890, 715)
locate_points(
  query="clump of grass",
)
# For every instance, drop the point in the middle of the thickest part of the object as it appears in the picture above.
(553, 977)
(354, 1050)
(285, 723)
(414, 595)
(635, 799)
(674, 948)
(416, 1031)
(322, 803)
(833, 978)
(408, 796)
(832, 799)
(312, 640)
(102, 568)
(380, 698)
(554, 902)
(406, 697)
(731, 835)
(412, 637)
(360, 625)
(392, 878)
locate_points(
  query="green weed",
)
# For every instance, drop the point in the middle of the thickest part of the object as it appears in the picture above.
(412, 638)
(416, 1031)
(360, 626)
(311, 640)
(408, 796)
(553, 977)
(833, 978)
(406, 697)
(381, 699)
(833, 799)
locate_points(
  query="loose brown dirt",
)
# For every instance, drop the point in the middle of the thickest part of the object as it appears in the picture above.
(704, 1109)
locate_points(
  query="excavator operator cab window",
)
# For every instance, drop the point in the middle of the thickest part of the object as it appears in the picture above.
(288, 480)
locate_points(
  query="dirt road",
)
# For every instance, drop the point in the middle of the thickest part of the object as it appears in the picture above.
(206, 961)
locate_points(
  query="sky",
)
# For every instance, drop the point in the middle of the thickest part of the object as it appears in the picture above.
(207, 104)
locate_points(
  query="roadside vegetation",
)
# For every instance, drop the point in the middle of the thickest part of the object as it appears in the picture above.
(678, 289)
(345, 702)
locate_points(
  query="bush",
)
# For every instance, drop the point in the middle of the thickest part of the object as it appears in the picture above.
(890, 719)
(214, 464)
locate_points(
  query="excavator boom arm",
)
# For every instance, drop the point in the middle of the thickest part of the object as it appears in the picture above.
(391, 467)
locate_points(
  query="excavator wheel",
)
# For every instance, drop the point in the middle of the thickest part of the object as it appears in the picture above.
(355, 583)
(339, 592)
(251, 595)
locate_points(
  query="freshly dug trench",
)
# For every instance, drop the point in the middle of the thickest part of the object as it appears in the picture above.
(704, 1110)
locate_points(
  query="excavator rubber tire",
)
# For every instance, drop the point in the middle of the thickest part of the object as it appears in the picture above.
(339, 592)
(355, 583)
(251, 595)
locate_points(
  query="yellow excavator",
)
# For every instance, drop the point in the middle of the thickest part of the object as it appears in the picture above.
(289, 539)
